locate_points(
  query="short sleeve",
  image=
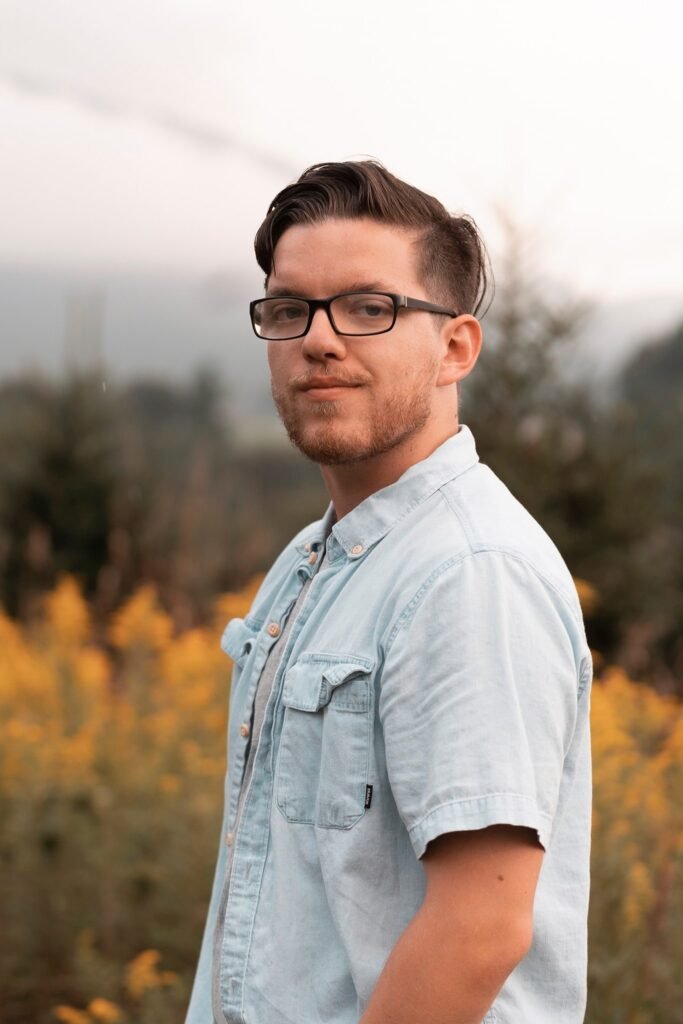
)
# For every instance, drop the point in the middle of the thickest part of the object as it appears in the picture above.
(478, 699)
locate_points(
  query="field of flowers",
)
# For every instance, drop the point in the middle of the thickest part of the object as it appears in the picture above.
(112, 758)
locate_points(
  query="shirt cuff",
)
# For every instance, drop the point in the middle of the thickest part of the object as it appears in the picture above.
(480, 812)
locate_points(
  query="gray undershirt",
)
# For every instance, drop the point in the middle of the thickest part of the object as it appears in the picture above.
(264, 688)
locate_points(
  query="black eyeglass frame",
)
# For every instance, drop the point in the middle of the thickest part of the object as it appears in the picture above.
(399, 302)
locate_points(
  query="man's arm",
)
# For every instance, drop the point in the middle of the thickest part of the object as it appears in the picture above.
(473, 928)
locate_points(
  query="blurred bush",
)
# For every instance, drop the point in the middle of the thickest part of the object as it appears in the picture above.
(636, 911)
(112, 762)
(139, 482)
(147, 481)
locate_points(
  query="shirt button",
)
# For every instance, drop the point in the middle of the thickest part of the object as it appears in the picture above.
(244, 729)
(229, 838)
(312, 558)
(356, 549)
(307, 547)
(274, 629)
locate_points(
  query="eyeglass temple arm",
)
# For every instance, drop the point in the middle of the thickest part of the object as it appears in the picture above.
(408, 303)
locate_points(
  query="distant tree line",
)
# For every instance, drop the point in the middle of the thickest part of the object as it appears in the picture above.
(138, 482)
(603, 473)
(145, 481)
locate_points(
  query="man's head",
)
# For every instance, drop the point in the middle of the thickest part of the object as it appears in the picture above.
(353, 226)
(451, 259)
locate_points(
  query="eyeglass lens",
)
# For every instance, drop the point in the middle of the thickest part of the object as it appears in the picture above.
(358, 313)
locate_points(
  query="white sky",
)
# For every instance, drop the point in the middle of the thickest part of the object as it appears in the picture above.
(569, 115)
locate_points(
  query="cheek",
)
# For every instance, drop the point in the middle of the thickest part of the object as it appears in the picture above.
(277, 362)
(410, 363)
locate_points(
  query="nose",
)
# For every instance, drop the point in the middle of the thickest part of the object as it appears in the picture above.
(321, 342)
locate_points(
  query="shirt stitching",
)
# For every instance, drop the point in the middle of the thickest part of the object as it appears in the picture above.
(454, 505)
(411, 608)
(480, 800)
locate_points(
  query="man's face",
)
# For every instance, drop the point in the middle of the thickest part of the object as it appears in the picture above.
(388, 381)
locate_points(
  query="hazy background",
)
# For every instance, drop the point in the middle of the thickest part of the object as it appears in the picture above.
(143, 142)
(146, 484)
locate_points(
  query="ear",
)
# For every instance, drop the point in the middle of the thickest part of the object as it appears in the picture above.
(462, 337)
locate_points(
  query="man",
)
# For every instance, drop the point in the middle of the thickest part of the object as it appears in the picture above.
(407, 804)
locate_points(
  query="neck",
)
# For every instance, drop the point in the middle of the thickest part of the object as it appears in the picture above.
(351, 483)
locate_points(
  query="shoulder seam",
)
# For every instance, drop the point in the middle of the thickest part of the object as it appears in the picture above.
(460, 514)
(412, 606)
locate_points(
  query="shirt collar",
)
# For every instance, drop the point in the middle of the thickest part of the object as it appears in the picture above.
(370, 521)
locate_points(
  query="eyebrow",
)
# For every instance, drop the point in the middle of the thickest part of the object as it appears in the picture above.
(354, 286)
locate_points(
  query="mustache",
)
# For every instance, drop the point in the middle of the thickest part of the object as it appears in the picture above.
(304, 380)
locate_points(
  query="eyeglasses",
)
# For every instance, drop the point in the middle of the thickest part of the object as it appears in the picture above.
(351, 313)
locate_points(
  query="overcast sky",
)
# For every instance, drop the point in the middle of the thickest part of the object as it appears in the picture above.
(147, 134)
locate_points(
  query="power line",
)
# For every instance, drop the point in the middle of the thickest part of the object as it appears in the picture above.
(203, 137)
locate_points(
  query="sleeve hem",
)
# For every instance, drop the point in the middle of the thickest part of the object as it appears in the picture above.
(480, 812)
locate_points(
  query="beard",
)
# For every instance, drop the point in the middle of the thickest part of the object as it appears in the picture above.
(323, 433)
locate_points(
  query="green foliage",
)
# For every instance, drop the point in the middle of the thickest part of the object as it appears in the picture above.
(144, 481)
(603, 478)
(56, 484)
(138, 481)
(655, 374)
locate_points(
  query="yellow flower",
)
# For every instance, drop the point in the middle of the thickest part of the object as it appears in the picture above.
(189, 664)
(70, 1015)
(142, 973)
(67, 613)
(141, 623)
(169, 783)
(639, 895)
(236, 605)
(588, 595)
(92, 670)
(102, 1009)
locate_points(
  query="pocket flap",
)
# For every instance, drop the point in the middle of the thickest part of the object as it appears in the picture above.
(238, 639)
(311, 682)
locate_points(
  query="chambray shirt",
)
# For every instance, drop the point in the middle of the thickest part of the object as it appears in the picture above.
(436, 679)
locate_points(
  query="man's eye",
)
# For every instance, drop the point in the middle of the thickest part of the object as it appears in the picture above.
(283, 313)
(371, 310)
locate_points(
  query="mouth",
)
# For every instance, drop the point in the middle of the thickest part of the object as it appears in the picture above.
(326, 390)
(329, 391)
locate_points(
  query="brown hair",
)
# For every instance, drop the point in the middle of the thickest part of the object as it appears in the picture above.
(452, 258)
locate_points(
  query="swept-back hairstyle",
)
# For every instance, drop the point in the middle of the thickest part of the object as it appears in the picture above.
(452, 261)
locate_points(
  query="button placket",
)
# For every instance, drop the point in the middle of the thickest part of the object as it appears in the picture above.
(246, 857)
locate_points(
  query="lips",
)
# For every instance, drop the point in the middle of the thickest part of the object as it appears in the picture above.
(327, 383)
(328, 393)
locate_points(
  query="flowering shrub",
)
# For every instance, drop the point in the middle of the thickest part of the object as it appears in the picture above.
(112, 761)
(111, 766)
(636, 910)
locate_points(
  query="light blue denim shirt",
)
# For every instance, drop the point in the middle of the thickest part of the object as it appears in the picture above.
(436, 679)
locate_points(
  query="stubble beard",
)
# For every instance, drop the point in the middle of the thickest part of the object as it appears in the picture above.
(322, 439)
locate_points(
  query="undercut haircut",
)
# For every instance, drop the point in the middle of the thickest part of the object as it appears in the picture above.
(451, 258)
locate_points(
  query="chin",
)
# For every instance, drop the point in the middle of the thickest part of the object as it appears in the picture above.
(329, 447)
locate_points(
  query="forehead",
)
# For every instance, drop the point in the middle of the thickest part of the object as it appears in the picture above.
(340, 254)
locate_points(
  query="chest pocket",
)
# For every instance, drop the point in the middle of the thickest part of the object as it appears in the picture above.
(324, 752)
